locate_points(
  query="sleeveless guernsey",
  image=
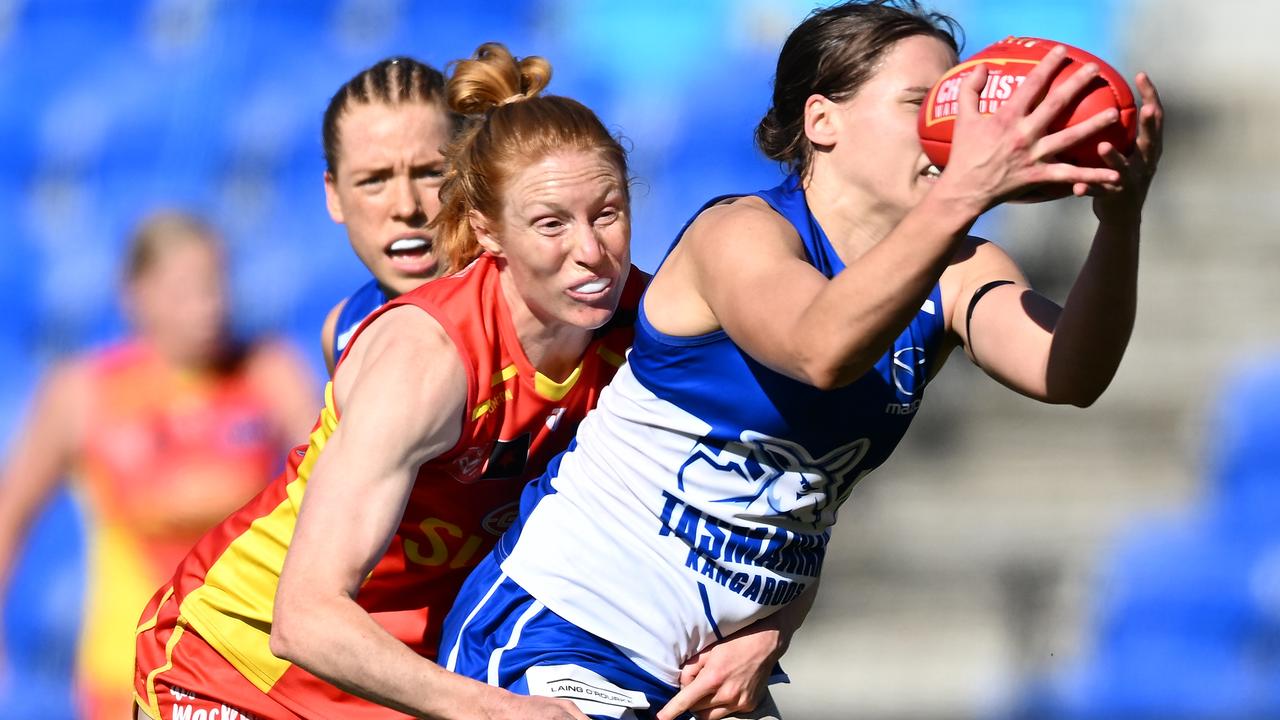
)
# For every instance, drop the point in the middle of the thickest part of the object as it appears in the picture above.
(359, 305)
(516, 419)
(712, 480)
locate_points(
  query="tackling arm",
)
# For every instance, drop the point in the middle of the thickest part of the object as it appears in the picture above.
(398, 412)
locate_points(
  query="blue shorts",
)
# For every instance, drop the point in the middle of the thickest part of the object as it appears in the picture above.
(499, 634)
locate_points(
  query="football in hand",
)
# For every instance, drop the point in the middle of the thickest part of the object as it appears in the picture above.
(1008, 63)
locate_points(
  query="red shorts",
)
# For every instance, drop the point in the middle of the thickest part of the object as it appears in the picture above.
(177, 675)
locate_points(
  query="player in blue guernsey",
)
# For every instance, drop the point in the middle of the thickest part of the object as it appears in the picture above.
(781, 351)
(345, 317)
(384, 132)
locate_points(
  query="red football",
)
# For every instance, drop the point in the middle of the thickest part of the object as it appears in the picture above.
(1008, 63)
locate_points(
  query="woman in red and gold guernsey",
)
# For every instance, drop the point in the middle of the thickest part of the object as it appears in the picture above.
(163, 434)
(445, 402)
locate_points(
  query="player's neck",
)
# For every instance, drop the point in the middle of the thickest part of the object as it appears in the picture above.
(552, 347)
(852, 219)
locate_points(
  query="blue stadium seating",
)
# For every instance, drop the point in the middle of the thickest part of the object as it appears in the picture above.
(1188, 619)
(1244, 467)
(42, 616)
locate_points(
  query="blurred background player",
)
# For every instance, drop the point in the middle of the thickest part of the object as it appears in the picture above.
(384, 136)
(448, 400)
(163, 434)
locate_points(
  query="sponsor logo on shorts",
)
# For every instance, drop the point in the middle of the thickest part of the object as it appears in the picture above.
(590, 691)
(578, 690)
(186, 711)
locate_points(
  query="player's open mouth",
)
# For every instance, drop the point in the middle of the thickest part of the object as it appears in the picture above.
(591, 289)
(412, 255)
(933, 172)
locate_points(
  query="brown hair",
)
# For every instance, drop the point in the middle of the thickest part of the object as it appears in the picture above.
(832, 53)
(511, 127)
(160, 232)
(393, 81)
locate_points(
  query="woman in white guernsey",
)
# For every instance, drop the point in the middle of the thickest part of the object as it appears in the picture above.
(782, 350)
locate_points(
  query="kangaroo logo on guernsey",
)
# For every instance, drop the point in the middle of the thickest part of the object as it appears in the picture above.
(777, 477)
(750, 552)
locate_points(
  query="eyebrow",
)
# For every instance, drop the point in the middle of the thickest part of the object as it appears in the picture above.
(370, 171)
(918, 89)
(386, 168)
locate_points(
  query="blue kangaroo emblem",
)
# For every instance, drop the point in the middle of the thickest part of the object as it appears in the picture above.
(778, 477)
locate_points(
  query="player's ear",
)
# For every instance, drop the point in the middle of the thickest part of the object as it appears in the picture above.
(483, 229)
(331, 198)
(821, 122)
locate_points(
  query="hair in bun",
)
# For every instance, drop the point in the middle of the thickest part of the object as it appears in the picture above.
(494, 78)
(511, 126)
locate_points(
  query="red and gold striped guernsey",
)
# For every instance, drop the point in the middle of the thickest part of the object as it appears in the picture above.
(207, 632)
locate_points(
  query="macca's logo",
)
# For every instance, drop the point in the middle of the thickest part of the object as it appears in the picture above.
(500, 520)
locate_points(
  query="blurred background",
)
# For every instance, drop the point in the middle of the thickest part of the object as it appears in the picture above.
(1011, 561)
